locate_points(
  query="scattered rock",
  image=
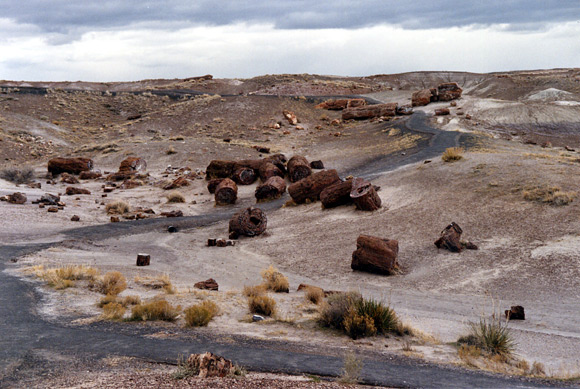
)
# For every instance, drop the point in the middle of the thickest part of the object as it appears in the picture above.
(405, 110)
(515, 313)
(209, 284)
(143, 259)
(71, 191)
(130, 184)
(568, 148)
(210, 365)
(291, 117)
(262, 149)
(213, 184)
(442, 112)
(75, 218)
(52, 209)
(451, 239)
(69, 165)
(68, 179)
(114, 219)
(256, 318)
(89, 175)
(49, 199)
(177, 183)
(338, 105)
(318, 165)
(172, 229)
(175, 213)
(16, 198)
(249, 222)
(375, 255)
(132, 165)
(421, 97)
(335, 122)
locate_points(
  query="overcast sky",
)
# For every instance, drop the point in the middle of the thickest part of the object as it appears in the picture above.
(109, 40)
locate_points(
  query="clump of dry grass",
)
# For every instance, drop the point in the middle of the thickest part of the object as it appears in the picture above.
(314, 295)
(113, 311)
(125, 301)
(65, 277)
(170, 151)
(111, 283)
(262, 305)
(537, 369)
(274, 280)
(452, 154)
(17, 175)
(155, 310)
(175, 197)
(117, 207)
(552, 195)
(159, 282)
(253, 291)
(200, 315)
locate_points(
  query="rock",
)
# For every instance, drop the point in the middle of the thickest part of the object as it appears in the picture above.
(143, 259)
(449, 91)
(52, 209)
(370, 111)
(249, 222)
(568, 148)
(341, 104)
(256, 318)
(209, 365)
(108, 189)
(442, 112)
(450, 238)
(177, 183)
(404, 110)
(318, 165)
(209, 284)
(468, 117)
(71, 191)
(75, 218)
(89, 175)
(375, 255)
(114, 219)
(69, 165)
(172, 229)
(262, 149)
(453, 104)
(133, 165)
(16, 198)
(34, 185)
(175, 213)
(68, 179)
(291, 117)
(335, 122)
(421, 98)
(49, 199)
(515, 313)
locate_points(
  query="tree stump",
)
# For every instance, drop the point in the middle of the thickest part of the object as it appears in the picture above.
(364, 195)
(143, 259)
(375, 255)
(268, 169)
(298, 168)
(272, 189)
(450, 238)
(219, 169)
(213, 184)
(69, 165)
(311, 186)
(226, 192)
(244, 175)
(336, 194)
(249, 222)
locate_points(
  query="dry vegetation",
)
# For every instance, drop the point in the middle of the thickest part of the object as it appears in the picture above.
(314, 295)
(452, 154)
(175, 197)
(155, 310)
(158, 282)
(64, 277)
(552, 195)
(262, 305)
(274, 280)
(117, 207)
(18, 175)
(111, 283)
(200, 315)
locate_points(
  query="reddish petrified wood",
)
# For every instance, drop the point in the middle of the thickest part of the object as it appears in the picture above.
(174, 213)
(375, 255)
(442, 112)
(268, 169)
(370, 111)
(341, 104)
(364, 195)
(219, 169)
(318, 165)
(89, 175)
(209, 284)
(273, 188)
(212, 184)
(298, 168)
(209, 365)
(336, 194)
(16, 198)
(69, 165)
(143, 259)
(244, 175)
(133, 164)
(177, 183)
(450, 238)
(311, 186)
(71, 190)
(449, 91)
(515, 313)
(226, 192)
(421, 97)
(249, 222)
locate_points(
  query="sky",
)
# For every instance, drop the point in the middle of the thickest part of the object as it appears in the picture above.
(114, 40)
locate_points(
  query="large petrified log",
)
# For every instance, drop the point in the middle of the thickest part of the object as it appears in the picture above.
(219, 169)
(133, 165)
(72, 190)
(375, 255)
(370, 111)
(226, 192)
(244, 175)
(212, 184)
(273, 188)
(449, 91)
(249, 222)
(298, 168)
(208, 365)
(341, 104)
(421, 97)
(310, 187)
(336, 194)
(364, 195)
(69, 165)
(450, 239)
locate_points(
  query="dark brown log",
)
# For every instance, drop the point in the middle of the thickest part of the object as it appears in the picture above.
(89, 175)
(279, 160)
(450, 238)
(226, 192)
(341, 104)
(273, 188)
(69, 165)
(253, 164)
(310, 187)
(370, 111)
(364, 195)
(143, 259)
(244, 176)
(268, 169)
(71, 191)
(133, 164)
(219, 169)
(318, 165)
(209, 284)
(375, 255)
(298, 168)
(516, 312)
(249, 222)
(336, 194)
(213, 184)
(449, 91)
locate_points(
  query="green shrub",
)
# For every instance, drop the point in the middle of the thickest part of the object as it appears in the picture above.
(491, 336)
(155, 310)
(384, 318)
(201, 314)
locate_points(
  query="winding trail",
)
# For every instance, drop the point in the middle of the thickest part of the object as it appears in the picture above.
(23, 332)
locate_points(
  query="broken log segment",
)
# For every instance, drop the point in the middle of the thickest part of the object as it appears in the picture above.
(340, 104)
(69, 165)
(450, 238)
(249, 222)
(336, 194)
(375, 255)
(143, 259)
(244, 175)
(226, 192)
(133, 164)
(364, 195)
(212, 184)
(268, 169)
(298, 168)
(310, 187)
(272, 189)
(370, 111)
(219, 169)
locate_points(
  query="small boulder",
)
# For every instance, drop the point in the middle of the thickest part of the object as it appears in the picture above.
(89, 175)
(450, 239)
(515, 313)
(442, 112)
(175, 213)
(68, 179)
(291, 117)
(177, 183)
(16, 198)
(71, 191)
(143, 259)
(75, 218)
(209, 284)
(318, 165)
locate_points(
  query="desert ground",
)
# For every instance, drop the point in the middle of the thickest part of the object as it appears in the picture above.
(520, 135)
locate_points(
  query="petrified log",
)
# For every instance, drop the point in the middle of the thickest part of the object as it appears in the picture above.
(213, 184)
(71, 191)
(133, 164)
(244, 176)
(174, 213)
(177, 183)
(249, 222)
(143, 259)
(89, 175)
(449, 91)
(515, 313)
(318, 165)
(219, 169)
(364, 195)
(226, 192)
(290, 116)
(310, 187)
(370, 111)
(209, 365)
(298, 168)
(421, 98)
(209, 284)
(68, 178)
(273, 188)
(375, 255)
(336, 194)
(69, 165)
(442, 112)
(16, 198)
(405, 110)
(450, 238)
(75, 218)
(268, 169)
(340, 104)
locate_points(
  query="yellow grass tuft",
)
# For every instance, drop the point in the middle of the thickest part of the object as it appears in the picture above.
(155, 310)
(548, 194)
(253, 291)
(64, 277)
(111, 283)
(113, 311)
(201, 314)
(314, 294)
(452, 154)
(262, 305)
(274, 280)
(175, 197)
(159, 282)
(117, 207)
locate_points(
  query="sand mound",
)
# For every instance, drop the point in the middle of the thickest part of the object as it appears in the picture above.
(549, 94)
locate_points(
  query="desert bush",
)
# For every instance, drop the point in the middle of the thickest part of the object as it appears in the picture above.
(17, 175)
(65, 277)
(200, 315)
(356, 325)
(492, 337)
(452, 154)
(111, 283)
(274, 280)
(384, 318)
(131, 300)
(538, 369)
(254, 290)
(117, 207)
(175, 197)
(155, 310)
(159, 282)
(548, 194)
(336, 308)
(262, 305)
(113, 311)
(314, 295)
(125, 302)
(184, 369)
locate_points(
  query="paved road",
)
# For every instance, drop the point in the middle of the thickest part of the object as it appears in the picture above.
(22, 331)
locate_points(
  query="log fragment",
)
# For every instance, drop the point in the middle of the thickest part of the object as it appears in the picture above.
(370, 111)
(298, 168)
(71, 191)
(143, 259)
(212, 184)
(249, 222)
(364, 195)
(311, 186)
(516, 312)
(226, 192)
(219, 169)
(336, 194)
(69, 165)
(268, 169)
(272, 189)
(209, 284)
(318, 165)
(450, 238)
(375, 255)
(244, 175)
(340, 104)
(133, 165)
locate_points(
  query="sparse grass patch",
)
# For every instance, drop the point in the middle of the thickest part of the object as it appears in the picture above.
(159, 282)
(175, 197)
(65, 277)
(111, 283)
(452, 154)
(117, 207)
(351, 369)
(170, 151)
(17, 175)
(314, 295)
(125, 302)
(254, 291)
(274, 280)
(491, 337)
(548, 194)
(538, 369)
(200, 315)
(184, 369)
(113, 311)
(155, 310)
(262, 305)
